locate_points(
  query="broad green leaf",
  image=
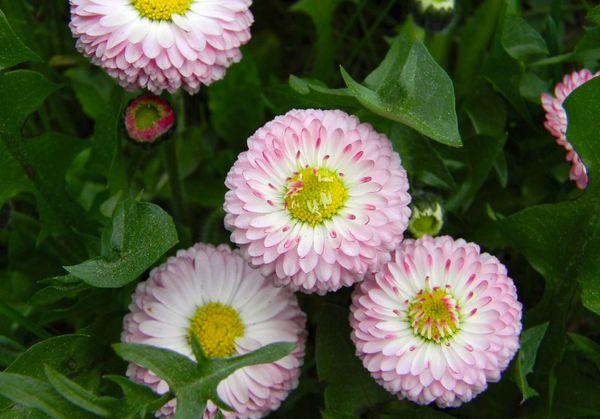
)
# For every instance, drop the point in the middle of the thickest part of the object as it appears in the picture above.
(561, 240)
(37, 394)
(140, 234)
(411, 88)
(350, 389)
(12, 50)
(237, 98)
(325, 96)
(520, 40)
(525, 359)
(76, 394)
(22, 91)
(588, 347)
(194, 384)
(576, 392)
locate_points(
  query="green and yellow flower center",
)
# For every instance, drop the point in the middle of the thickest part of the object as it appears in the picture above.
(147, 114)
(217, 326)
(161, 9)
(313, 195)
(434, 315)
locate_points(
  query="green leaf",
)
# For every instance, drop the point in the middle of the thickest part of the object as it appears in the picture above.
(138, 399)
(411, 88)
(37, 394)
(419, 157)
(561, 240)
(525, 359)
(588, 347)
(520, 40)
(194, 384)
(350, 389)
(12, 50)
(22, 92)
(594, 15)
(76, 394)
(480, 153)
(476, 36)
(237, 98)
(322, 13)
(140, 234)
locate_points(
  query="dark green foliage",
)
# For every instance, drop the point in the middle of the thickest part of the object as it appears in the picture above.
(84, 214)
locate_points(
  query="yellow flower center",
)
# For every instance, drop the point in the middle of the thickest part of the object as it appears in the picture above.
(314, 195)
(217, 326)
(433, 315)
(161, 9)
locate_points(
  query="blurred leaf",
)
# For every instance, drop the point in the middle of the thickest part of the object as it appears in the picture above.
(321, 12)
(235, 103)
(487, 111)
(37, 394)
(480, 153)
(12, 50)
(525, 359)
(106, 156)
(350, 389)
(420, 158)
(588, 347)
(594, 15)
(92, 87)
(76, 394)
(505, 72)
(475, 38)
(411, 88)
(141, 233)
(520, 40)
(194, 384)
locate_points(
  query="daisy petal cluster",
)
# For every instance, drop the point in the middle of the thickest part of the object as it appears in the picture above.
(162, 44)
(318, 200)
(232, 309)
(438, 323)
(556, 121)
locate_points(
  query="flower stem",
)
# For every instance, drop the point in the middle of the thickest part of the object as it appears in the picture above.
(180, 212)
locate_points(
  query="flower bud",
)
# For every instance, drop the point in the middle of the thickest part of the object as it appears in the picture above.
(148, 118)
(434, 15)
(427, 217)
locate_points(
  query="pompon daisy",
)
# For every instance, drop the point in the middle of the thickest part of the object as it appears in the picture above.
(318, 200)
(438, 322)
(148, 118)
(556, 121)
(232, 309)
(162, 44)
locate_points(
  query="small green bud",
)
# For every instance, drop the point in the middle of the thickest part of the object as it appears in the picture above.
(427, 218)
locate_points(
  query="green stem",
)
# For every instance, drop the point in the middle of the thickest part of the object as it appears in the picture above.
(180, 212)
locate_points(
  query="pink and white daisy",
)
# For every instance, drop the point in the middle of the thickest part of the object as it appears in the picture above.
(318, 200)
(232, 309)
(438, 322)
(162, 44)
(148, 118)
(556, 121)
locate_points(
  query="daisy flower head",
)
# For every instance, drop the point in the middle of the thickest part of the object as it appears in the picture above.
(232, 309)
(162, 44)
(556, 121)
(318, 200)
(438, 322)
(148, 118)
